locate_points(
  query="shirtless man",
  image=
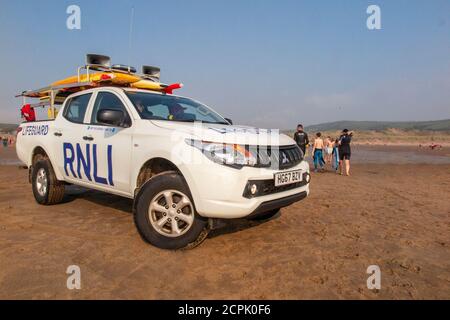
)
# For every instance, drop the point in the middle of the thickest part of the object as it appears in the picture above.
(318, 152)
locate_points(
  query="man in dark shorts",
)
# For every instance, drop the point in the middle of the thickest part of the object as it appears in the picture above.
(301, 138)
(345, 151)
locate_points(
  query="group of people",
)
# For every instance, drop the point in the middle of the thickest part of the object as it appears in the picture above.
(336, 152)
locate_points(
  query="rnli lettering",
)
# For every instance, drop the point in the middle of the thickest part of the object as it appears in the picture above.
(82, 160)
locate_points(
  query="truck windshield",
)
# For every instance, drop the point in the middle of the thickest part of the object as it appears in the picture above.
(162, 107)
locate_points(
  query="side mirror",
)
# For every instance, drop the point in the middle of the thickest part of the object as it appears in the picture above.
(111, 117)
(229, 120)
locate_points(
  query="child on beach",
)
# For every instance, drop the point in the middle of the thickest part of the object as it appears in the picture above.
(335, 155)
(318, 152)
(328, 149)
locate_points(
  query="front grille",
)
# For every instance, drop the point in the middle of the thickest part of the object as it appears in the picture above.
(283, 157)
(266, 187)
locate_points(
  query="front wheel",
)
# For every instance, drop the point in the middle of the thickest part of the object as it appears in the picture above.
(165, 214)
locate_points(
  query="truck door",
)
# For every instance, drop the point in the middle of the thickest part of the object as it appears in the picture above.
(111, 145)
(69, 145)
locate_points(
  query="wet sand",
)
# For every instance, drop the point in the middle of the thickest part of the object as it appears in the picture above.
(396, 216)
(400, 155)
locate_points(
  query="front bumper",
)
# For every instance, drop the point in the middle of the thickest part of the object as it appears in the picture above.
(218, 191)
(277, 204)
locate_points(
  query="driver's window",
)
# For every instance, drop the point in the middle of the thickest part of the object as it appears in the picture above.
(107, 100)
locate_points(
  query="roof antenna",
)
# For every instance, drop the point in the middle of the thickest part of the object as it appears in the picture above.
(129, 36)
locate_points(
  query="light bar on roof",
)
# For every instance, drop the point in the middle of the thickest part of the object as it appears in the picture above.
(122, 67)
(151, 72)
(98, 60)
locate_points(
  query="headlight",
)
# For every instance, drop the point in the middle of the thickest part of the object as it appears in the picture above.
(234, 155)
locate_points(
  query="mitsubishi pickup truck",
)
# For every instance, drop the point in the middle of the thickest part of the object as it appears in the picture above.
(183, 164)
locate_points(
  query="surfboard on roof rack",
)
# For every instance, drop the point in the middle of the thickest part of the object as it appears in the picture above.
(98, 72)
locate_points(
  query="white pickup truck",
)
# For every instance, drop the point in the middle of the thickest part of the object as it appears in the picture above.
(181, 162)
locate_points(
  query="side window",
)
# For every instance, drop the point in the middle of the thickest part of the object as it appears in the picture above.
(76, 108)
(107, 100)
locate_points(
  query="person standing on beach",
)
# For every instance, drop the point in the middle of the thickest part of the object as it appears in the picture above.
(345, 151)
(335, 155)
(318, 152)
(5, 141)
(301, 138)
(328, 149)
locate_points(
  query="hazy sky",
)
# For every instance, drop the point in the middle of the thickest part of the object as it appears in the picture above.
(259, 62)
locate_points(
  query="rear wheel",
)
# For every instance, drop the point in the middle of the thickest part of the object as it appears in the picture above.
(165, 214)
(47, 189)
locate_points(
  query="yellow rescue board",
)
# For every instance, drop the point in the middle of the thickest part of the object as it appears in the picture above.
(147, 84)
(95, 79)
(116, 78)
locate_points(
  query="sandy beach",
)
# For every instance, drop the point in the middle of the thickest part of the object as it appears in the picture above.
(394, 212)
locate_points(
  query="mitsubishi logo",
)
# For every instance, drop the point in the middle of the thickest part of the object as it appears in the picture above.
(285, 158)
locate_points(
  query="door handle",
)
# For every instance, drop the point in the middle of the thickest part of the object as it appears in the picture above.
(88, 138)
(58, 134)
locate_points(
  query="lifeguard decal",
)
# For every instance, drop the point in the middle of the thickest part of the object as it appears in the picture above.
(83, 158)
(35, 130)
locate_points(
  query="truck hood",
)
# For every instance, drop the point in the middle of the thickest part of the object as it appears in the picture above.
(227, 133)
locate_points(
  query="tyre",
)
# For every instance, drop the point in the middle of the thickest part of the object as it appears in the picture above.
(265, 215)
(47, 190)
(165, 215)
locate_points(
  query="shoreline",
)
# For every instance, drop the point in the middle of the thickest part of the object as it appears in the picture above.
(399, 144)
(386, 153)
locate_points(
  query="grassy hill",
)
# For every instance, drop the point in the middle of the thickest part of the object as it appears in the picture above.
(387, 133)
(439, 125)
(8, 127)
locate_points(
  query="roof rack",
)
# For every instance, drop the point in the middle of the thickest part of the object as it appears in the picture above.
(100, 62)
(52, 95)
(56, 94)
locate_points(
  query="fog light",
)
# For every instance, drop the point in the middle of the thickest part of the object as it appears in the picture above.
(308, 177)
(253, 189)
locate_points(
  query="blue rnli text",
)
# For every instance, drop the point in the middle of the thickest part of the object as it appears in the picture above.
(82, 159)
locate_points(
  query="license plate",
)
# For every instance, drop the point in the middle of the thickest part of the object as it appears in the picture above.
(288, 177)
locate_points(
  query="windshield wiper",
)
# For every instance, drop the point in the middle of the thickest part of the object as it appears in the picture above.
(202, 121)
(184, 120)
(219, 122)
